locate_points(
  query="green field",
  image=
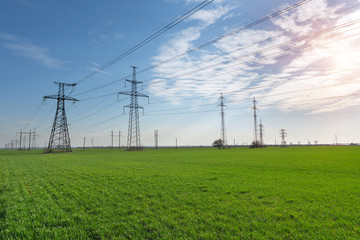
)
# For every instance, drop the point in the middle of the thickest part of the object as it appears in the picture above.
(271, 193)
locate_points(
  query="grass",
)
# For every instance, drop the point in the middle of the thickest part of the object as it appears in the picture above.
(271, 193)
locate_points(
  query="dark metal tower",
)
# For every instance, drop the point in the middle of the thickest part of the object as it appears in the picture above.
(133, 140)
(283, 134)
(223, 130)
(59, 138)
(255, 122)
(156, 136)
(261, 131)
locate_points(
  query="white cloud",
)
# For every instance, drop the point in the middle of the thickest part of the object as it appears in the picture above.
(28, 122)
(8, 37)
(307, 17)
(28, 50)
(256, 62)
(30, 4)
(211, 15)
(36, 53)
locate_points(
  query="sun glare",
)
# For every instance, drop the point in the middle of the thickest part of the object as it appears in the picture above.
(345, 58)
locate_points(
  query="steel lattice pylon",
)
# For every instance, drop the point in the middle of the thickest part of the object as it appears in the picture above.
(133, 140)
(59, 138)
(223, 130)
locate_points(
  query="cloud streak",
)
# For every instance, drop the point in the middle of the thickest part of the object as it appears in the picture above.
(313, 68)
(30, 51)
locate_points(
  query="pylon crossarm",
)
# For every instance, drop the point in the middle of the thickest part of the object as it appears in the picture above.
(60, 98)
(66, 84)
(124, 93)
(50, 97)
(71, 99)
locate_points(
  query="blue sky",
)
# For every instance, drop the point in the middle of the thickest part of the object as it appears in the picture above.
(302, 67)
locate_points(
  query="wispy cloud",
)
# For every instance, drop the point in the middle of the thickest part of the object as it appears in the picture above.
(8, 37)
(28, 50)
(211, 15)
(28, 122)
(257, 62)
(33, 5)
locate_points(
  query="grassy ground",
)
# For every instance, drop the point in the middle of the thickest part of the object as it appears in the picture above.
(272, 193)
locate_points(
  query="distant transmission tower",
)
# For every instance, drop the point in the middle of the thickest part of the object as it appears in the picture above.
(112, 138)
(33, 142)
(255, 122)
(222, 113)
(283, 134)
(261, 130)
(156, 137)
(59, 138)
(133, 141)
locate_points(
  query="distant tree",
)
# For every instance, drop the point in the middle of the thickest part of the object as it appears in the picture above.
(256, 144)
(218, 143)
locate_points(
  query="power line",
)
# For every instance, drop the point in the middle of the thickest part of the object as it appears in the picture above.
(188, 98)
(148, 39)
(263, 105)
(100, 110)
(260, 87)
(108, 28)
(310, 36)
(271, 95)
(229, 34)
(162, 101)
(298, 39)
(204, 44)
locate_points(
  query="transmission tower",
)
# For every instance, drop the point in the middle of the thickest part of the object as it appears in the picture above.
(222, 114)
(119, 139)
(133, 141)
(33, 139)
(59, 138)
(156, 137)
(255, 122)
(261, 131)
(112, 138)
(21, 138)
(283, 134)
